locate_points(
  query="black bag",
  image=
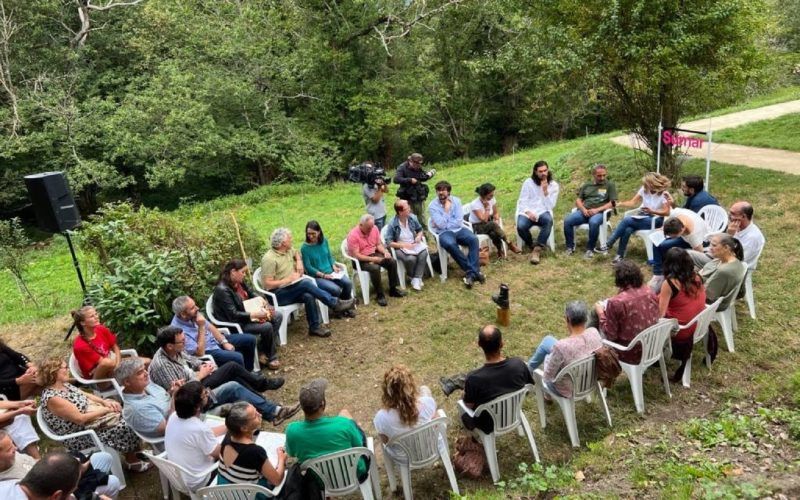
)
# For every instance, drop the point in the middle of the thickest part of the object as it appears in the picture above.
(299, 486)
(435, 262)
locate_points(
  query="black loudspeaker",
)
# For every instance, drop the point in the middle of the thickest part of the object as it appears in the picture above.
(52, 201)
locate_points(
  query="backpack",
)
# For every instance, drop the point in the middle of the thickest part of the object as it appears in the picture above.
(607, 363)
(299, 486)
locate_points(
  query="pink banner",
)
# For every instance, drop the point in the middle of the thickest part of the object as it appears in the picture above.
(671, 139)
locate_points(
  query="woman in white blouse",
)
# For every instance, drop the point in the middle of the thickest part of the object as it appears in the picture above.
(485, 219)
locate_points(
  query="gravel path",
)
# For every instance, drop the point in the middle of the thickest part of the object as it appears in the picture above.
(771, 159)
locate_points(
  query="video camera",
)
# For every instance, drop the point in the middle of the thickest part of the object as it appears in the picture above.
(367, 173)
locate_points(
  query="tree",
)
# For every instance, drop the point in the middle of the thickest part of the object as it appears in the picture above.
(660, 60)
(15, 253)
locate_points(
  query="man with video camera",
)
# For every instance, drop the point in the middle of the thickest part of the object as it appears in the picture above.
(373, 191)
(413, 189)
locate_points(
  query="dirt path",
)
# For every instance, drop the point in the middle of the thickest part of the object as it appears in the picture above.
(771, 159)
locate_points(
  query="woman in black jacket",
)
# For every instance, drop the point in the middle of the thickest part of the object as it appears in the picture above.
(229, 296)
(17, 374)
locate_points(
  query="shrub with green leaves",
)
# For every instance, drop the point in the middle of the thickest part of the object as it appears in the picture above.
(14, 255)
(146, 258)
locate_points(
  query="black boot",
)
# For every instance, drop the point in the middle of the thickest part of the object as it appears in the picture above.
(451, 384)
(501, 299)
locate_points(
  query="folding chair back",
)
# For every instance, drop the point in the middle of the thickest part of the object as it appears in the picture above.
(716, 218)
(338, 470)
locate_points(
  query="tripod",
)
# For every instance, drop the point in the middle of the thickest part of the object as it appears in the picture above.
(77, 265)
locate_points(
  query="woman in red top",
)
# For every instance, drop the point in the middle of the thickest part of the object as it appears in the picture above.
(96, 347)
(682, 297)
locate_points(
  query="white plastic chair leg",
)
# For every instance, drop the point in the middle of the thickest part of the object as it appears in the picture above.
(443, 264)
(363, 282)
(490, 448)
(401, 274)
(749, 296)
(526, 427)
(405, 477)
(390, 472)
(687, 373)
(374, 480)
(568, 410)
(116, 465)
(323, 312)
(283, 331)
(724, 320)
(164, 485)
(664, 376)
(603, 401)
(448, 467)
(539, 399)
(366, 490)
(734, 321)
(635, 376)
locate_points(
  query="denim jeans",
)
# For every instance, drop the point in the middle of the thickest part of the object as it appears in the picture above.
(341, 288)
(545, 223)
(245, 345)
(545, 348)
(627, 226)
(451, 241)
(306, 292)
(232, 372)
(577, 218)
(231, 392)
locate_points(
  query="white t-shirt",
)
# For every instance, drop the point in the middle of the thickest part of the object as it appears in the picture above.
(406, 235)
(477, 204)
(188, 443)
(652, 201)
(387, 422)
(10, 490)
(699, 229)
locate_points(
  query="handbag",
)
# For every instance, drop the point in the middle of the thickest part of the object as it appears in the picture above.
(469, 459)
(104, 422)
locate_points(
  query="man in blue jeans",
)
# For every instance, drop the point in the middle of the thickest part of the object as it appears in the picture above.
(447, 222)
(203, 338)
(594, 198)
(282, 273)
(537, 200)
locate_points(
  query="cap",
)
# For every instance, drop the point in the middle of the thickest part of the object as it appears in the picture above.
(312, 395)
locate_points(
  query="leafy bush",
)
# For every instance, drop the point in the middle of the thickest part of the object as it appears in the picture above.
(14, 255)
(537, 479)
(146, 258)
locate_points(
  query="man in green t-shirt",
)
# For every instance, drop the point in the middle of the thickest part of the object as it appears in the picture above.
(319, 434)
(594, 198)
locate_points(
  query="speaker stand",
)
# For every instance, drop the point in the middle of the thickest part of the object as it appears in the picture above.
(77, 265)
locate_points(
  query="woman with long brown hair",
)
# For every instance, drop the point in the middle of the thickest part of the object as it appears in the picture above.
(405, 405)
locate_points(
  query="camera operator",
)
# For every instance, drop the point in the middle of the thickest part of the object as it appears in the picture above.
(411, 179)
(373, 199)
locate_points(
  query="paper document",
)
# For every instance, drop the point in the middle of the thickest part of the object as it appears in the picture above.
(337, 275)
(415, 250)
(255, 304)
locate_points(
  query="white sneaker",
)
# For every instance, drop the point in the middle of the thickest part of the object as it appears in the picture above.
(416, 284)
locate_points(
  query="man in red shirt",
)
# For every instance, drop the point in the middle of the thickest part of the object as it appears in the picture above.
(364, 244)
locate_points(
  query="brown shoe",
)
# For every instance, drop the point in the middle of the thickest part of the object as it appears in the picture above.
(514, 248)
(535, 255)
(284, 414)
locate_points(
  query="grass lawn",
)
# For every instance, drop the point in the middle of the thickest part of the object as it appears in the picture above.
(778, 133)
(734, 434)
(777, 96)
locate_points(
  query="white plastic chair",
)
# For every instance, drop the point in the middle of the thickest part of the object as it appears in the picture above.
(551, 240)
(644, 234)
(583, 374)
(115, 391)
(421, 447)
(224, 328)
(701, 322)
(239, 491)
(605, 227)
(401, 269)
(287, 309)
(506, 413)
(116, 463)
(716, 219)
(443, 255)
(363, 276)
(483, 239)
(727, 317)
(748, 286)
(175, 475)
(339, 475)
(653, 341)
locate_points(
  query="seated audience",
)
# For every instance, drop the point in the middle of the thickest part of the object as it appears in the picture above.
(229, 296)
(189, 441)
(448, 224)
(147, 405)
(241, 460)
(484, 215)
(364, 244)
(15, 419)
(17, 374)
(682, 297)
(537, 200)
(741, 227)
(653, 205)
(498, 376)
(95, 471)
(594, 198)
(624, 316)
(694, 227)
(202, 337)
(95, 347)
(405, 404)
(282, 272)
(556, 354)
(406, 236)
(320, 265)
(673, 229)
(66, 410)
(318, 434)
(55, 477)
(229, 383)
(725, 273)
(696, 196)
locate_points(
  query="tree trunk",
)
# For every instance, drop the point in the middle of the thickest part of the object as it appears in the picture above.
(509, 142)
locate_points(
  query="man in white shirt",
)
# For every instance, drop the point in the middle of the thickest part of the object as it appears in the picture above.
(741, 227)
(189, 442)
(535, 205)
(54, 477)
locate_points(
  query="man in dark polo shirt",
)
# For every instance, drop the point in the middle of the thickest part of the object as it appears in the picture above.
(498, 376)
(594, 198)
